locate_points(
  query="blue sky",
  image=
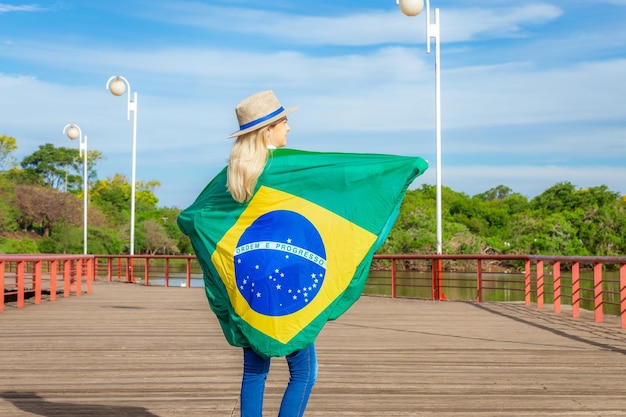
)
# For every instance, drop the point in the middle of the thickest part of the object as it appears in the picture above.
(533, 93)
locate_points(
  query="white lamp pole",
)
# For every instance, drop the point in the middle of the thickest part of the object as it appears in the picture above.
(118, 86)
(73, 132)
(413, 8)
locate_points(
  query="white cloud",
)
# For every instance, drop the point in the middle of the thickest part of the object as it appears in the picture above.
(7, 8)
(391, 84)
(492, 23)
(357, 29)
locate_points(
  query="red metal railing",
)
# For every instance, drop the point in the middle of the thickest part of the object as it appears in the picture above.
(149, 269)
(564, 281)
(581, 282)
(31, 276)
(525, 278)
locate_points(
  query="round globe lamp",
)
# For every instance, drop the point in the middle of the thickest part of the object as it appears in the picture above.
(411, 7)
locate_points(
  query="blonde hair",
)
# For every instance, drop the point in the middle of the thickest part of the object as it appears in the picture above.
(246, 163)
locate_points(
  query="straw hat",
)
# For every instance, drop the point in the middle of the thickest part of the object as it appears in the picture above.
(258, 110)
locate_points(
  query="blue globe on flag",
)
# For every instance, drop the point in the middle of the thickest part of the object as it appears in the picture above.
(280, 263)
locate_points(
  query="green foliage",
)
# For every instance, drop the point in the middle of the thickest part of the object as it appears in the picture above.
(67, 238)
(8, 206)
(146, 199)
(30, 202)
(168, 216)
(104, 241)
(53, 167)
(414, 230)
(563, 220)
(63, 238)
(23, 245)
(112, 195)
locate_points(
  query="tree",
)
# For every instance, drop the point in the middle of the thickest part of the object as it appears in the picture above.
(168, 216)
(8, 206)
(415, 228)
(602, 230)
(146, 199)
(113, 195)
(93, 157)
(41, 208)
(564, 197)
(555, 199)
(155, 238)
(556, 236)
(103, 240)
(498, 193)
(51, 167)
(64, 238)
(59, 167)
(7, 146)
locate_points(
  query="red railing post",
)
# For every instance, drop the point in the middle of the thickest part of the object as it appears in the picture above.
(67, 277)
(94, 269)
(146, 272)
(394, 272)
(556, 274)
(540, 284)
(37, 283)
(622, 291)
(576, 290)
(121, 265)
(79, 277)
(435, 279)
(597, 292)
(527, 281)
(188, 273)
(1, 286)
(479, 280)
(441, 295)
(109, 269)
(166, 280)
(20, 283)
(53, 280)
(90, 273)
(130, 270)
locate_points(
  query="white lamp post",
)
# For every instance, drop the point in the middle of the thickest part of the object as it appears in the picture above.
(413, 8)
(118, 86)
(73, 132)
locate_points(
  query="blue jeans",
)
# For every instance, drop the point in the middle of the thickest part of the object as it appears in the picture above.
(302, 370)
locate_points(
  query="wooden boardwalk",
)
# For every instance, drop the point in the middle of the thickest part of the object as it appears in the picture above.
(127, 350)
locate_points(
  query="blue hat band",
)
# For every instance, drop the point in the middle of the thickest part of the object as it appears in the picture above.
(261, 119)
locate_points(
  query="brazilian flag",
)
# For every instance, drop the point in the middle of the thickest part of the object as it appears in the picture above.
(279, 266)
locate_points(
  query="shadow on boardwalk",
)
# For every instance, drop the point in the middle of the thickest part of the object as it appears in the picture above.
(127, 350)
(33, 404)
(606, 336)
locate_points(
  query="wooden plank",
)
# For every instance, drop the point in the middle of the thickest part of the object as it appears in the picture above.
(129, 350)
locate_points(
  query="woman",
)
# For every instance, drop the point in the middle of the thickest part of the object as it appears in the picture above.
(285, 239)
(263, 127)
